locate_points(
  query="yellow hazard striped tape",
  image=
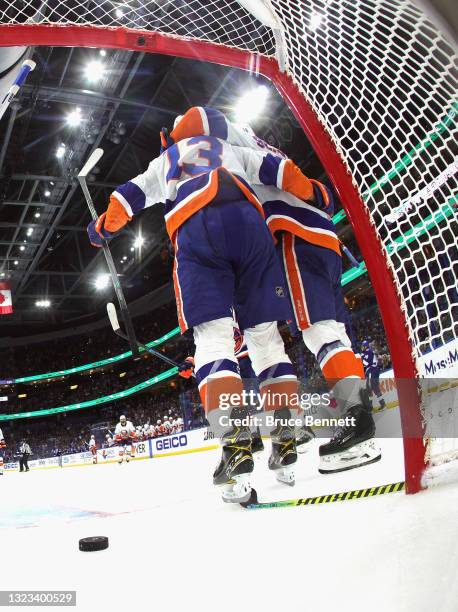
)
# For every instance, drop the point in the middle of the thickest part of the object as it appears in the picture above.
(335, 497)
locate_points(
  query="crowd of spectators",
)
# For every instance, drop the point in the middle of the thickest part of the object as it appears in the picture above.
(73, 351)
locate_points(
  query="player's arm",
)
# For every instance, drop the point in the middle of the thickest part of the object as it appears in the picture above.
(128, 200)
(269, 169)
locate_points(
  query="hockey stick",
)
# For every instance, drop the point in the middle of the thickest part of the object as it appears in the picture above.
(326, 499)
(113, 316)
(352, 258)
(91, 162)
(27, 67)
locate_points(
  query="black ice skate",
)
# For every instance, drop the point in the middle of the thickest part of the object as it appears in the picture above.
(257, 444)
(351, 446)
(284, 454)
(235, 467)
(304, 435)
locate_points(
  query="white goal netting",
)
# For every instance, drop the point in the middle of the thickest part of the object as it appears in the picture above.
(382, 81)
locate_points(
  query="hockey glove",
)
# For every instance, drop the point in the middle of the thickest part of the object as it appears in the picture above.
(97, 233)
(186, 369)
(323, 197)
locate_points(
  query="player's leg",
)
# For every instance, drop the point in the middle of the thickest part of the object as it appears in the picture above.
(261, 301)
(127, 451)
(204, 287)
(120, 454)
(251, 387)
(279, 392)
(376, 389)
(1, 463)
(314, 275)
(219, 380)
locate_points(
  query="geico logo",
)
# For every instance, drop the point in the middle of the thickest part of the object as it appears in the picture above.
(174, 442)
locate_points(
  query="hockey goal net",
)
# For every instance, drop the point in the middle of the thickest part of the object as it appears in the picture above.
(373, 84)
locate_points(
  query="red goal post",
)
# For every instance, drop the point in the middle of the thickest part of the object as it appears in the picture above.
(373, 87)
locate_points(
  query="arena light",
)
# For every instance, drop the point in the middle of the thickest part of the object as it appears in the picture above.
(60, 151)
(139, 242)
(37, 215)
(47, 193)
(94, 71)
(74, 118)
(315, 21)
(30, 231)
(16, 262)
(43, 304)
(102, 281)
(119, 13)
(251, 104)
(22, 247)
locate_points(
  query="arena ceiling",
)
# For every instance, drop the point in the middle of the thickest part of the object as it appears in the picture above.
(44, 250)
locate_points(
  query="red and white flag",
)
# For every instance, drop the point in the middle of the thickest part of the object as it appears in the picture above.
(6, 303)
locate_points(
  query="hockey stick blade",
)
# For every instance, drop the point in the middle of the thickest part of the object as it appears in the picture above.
(91, 162)
(326, 499)
(113, 316)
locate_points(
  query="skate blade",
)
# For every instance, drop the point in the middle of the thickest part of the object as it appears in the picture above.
(239, 491)
(286, 476)
(361, 454)
(303, 448)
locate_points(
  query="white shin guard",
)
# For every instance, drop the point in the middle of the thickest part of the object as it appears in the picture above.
(265, 346)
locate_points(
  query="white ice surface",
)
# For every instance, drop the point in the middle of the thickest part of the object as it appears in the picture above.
(174, 546)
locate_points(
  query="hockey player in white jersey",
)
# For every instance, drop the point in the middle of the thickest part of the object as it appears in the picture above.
(167, 425)
(310, 252)
(224, 258)
(124, 437)
(93, 448)
(107, 443)
(2, 446)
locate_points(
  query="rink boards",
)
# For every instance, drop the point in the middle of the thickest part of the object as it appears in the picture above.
(193, 441)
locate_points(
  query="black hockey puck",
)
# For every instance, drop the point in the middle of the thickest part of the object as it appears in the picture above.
(94, 543)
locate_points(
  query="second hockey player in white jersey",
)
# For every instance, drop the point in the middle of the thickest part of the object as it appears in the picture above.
(93, 449)
(124, 437)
